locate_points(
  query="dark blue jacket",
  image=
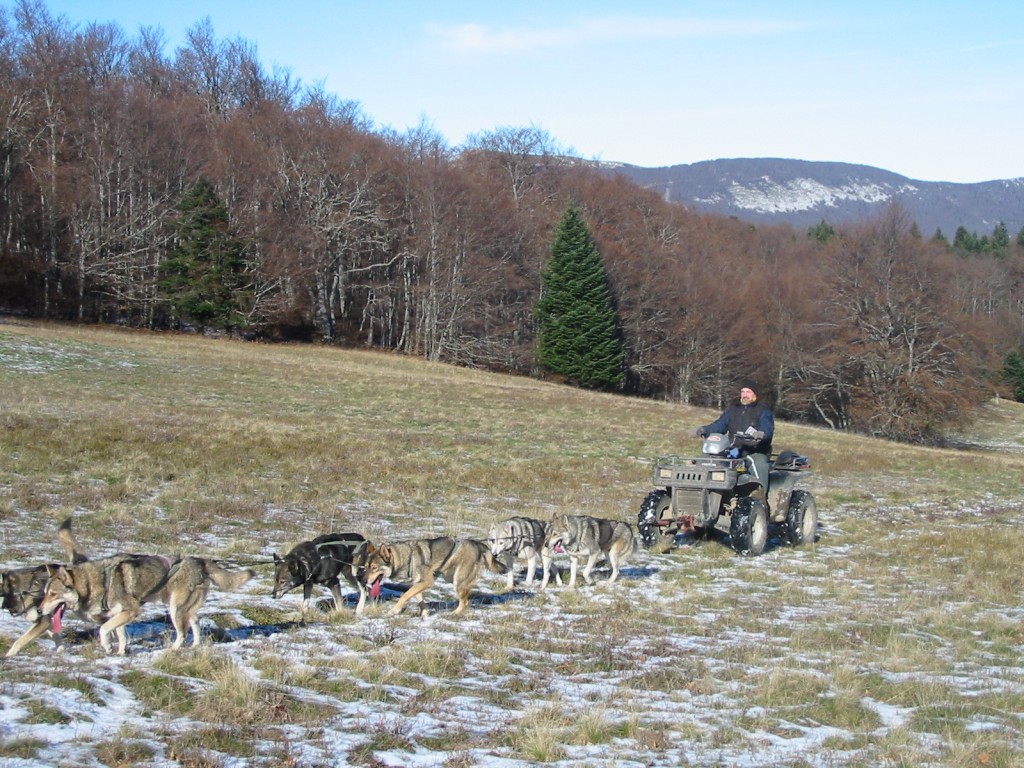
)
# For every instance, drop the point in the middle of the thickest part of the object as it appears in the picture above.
(737, 417)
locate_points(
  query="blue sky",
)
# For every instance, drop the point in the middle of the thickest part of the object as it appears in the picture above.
(931, 90)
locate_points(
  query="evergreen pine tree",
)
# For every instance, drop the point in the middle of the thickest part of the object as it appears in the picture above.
(822, 232)
(964, 241)
(578, 334)
(1000, 239)
(1013, 370)
(202, 281)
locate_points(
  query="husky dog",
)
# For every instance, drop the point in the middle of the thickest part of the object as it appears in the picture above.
(581, 536)
(188, 585)
(113, 591)
(22, 593)
(110, 591)
(519, 537)
(22, 590)
(421, 561)
(322, 561)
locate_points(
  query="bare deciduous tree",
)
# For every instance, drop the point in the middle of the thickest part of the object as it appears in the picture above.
(398, 241)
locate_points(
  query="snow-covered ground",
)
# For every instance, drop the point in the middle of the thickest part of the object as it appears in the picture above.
(895, 639)
(674, 665)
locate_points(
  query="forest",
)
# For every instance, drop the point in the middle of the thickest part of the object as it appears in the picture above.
(194, 190)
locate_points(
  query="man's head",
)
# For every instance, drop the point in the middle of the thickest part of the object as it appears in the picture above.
(748, 392)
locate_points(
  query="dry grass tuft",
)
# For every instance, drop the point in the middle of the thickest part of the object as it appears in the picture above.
(894, 640)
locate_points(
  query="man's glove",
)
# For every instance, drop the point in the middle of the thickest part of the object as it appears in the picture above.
(757, 434)
(696, 432)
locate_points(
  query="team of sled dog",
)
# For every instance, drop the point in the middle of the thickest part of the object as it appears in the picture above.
(112, 591)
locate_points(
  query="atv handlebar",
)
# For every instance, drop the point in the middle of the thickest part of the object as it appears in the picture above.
(745, 441)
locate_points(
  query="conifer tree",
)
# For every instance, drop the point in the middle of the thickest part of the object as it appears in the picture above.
(822, 232)
(1013, 370)
(1000, 239)
(202, 281)
(579, 335)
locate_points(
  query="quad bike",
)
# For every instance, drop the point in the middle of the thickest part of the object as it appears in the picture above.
(697, 492)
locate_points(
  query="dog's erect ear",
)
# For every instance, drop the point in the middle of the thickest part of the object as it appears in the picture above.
(276, 558)
(385, 553)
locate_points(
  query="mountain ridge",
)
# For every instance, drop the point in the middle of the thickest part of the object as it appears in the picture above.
(803, 193)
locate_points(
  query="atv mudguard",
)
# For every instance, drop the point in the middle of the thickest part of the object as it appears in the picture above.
(780, 486)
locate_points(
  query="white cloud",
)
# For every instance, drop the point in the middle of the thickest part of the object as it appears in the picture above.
(990, 46)
(478, 38)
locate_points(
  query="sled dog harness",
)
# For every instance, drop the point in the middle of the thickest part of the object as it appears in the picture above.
(172, 568)
(440, 569)
(357, 546)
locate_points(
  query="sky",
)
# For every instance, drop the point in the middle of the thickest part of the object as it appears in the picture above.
(932, 90)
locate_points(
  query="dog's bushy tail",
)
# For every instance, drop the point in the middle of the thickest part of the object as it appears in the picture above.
(631, 542)
(70, 544)
(494, 565)
(226, 579)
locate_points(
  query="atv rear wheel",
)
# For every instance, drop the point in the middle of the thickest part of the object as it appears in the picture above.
(656, 510)
(748, 531)
(801, 518)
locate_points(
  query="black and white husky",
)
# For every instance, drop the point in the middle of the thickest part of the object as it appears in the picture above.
(321, 561)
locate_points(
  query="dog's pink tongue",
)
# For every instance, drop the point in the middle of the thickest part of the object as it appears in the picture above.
(57, 619)
(375, 588)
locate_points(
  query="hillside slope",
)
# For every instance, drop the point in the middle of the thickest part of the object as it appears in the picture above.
(894, 639)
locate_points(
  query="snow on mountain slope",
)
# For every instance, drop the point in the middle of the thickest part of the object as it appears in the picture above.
(802, 193)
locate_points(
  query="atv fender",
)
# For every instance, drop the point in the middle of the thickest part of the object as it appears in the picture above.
(780, 486)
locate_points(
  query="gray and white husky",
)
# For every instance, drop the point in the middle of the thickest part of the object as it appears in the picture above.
(23, 588)
(519, 538)
(583, 537)
(113, 592)
(420, 562)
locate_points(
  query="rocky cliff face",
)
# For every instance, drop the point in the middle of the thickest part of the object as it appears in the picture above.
(802, 193)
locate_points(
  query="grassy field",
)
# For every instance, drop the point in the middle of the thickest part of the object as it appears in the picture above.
(895, 639)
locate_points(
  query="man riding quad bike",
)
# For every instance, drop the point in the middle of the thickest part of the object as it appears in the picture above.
(721, 483)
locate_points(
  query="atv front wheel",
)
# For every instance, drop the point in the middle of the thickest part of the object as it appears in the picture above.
(656, 510)
(801, 518)
(748, 531)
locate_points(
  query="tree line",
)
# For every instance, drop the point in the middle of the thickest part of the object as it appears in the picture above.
(194, 189)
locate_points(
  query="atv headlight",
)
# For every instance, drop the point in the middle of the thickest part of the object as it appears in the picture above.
(718, 477)
(665, 473)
